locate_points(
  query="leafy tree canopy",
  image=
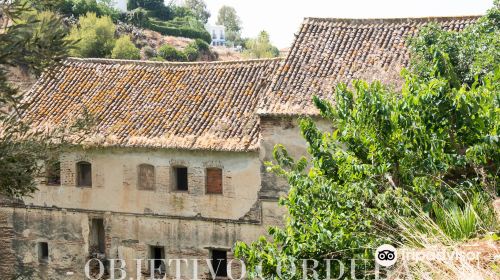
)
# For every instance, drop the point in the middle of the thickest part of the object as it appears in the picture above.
(95, 36)
(33, 39)
(436, 141)
(125, 49)
(199, 9)
(229, 19)
(170, 53)
(261, 47)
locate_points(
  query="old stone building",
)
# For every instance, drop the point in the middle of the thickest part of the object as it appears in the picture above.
(174, 165)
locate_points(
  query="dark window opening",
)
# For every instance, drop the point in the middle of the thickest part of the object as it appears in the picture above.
(97, 236)
(219, 262)
(43, 252)
(214, 180)
(157, 254)
(53, 171)
(180, 175)
(84, 174)
(146, 177)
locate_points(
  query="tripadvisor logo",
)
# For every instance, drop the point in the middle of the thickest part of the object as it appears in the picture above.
(386, 255)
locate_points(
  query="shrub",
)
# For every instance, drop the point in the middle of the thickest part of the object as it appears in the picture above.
(465, 221)
(125, 49)
(138, 17)
(157, 58)
(170, 53)
(435, 140)
(149, 52)
(202, 45)
(155, 8)
(181, 11)
(82, 7)
(191, 52)
(195, 49)
(132, 5)
(181, 32)
(95, 35)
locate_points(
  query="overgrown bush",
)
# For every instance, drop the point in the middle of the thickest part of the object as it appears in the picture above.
(95, 36)
(138, 17)
(149, 52)
(195, 49)
(464, 220)
(179, 31)
(125, 49)
(170, 53)
(436, 141)
(191, 52)
(181, 11)
(79, 8)
(155, 8)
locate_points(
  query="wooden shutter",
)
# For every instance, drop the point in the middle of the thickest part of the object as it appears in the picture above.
(214, 180)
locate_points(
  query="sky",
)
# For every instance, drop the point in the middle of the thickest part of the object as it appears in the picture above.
(282, 18)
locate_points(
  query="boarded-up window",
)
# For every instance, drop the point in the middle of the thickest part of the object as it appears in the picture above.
(180, 178)
(146, 180)
(214, 180)
(53, 171)
(84, 174)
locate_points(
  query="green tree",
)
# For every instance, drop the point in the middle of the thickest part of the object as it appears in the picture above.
(132, 5)
(230, 20)
(436, 141)
(199, 9)
(95, 36)
(170, 53)
(261, 47)
(32, 39)
(81, 7)
(125, 49)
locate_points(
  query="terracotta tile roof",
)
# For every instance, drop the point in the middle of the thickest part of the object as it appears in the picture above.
(205, 106)
(328, 51)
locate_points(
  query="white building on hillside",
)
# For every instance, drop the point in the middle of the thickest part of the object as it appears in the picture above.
(218, 33)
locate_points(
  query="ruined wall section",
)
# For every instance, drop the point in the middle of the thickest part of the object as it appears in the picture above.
(127, 236)
(281, 130)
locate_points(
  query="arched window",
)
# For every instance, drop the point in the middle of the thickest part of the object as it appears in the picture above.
(146, 178)
(214, 180)
(84, 174)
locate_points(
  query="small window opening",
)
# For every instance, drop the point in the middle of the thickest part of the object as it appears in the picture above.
(146, 177)
(84, 174)
(180, 176)
(97, 236)
(53, 171)
(219, 262)
(157, 254)
(43, 252)
(214, 180)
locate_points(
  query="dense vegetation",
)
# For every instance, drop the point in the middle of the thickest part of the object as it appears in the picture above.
(96, 25)
(171, 20)
(34, 40)
(430, 150)
(260, 47)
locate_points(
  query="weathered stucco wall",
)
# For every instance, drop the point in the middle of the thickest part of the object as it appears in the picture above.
(127, 236)
(115, 186)
(186, 224)
(285, 131)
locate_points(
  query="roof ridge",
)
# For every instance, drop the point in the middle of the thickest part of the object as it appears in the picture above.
(388, 20)
(170, 63)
